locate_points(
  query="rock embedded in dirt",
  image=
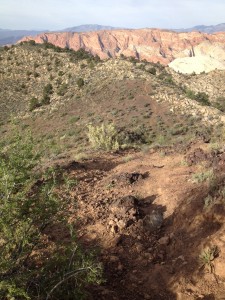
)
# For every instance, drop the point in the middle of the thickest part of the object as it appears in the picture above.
(196, 156)
(128, 178)
(124, 212)
(153, 221)
(164, 241)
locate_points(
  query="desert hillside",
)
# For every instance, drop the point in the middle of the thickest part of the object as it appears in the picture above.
(112, 173)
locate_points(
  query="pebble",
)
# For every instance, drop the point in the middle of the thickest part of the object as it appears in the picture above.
(114, 259)
(164, 241)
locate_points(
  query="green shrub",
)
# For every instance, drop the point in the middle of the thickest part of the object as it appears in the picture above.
(103, 137)
(203, 176)
(36, 75)
(34, 103)
(152, 71)
(220, 103)
(29, 204)
(62, 89)
(201, 97)
(48, 89)
(80, 82)
(45, 100)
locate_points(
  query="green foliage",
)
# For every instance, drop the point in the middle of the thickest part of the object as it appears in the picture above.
(47, 91)
(81, 54)
(34, 103)
(80, 82)
(74, 119)
(103, 137)
(62, 89)
(201, 97)
(203, 176)
(29, 204)
(36, 75)
(220, 103)
(152, 71)
(45, 100)
(207, 257)
(166, 77)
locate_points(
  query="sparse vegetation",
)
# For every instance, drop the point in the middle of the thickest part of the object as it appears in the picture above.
(207, 257)
(203, 176)
(103, 137)
(80, 82)
(34, 103)
(201, 97)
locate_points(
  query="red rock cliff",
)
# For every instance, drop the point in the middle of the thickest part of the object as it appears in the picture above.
(151, 44)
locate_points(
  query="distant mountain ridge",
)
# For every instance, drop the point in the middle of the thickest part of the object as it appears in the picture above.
(88, 28)
(12, 36)
(203, 28)
(8, 36)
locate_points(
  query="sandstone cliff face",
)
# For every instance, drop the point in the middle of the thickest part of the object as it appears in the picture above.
(151, 44)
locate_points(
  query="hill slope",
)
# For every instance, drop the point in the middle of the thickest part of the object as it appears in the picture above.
(153, 207)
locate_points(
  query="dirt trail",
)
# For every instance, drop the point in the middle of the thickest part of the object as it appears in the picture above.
(146, 216)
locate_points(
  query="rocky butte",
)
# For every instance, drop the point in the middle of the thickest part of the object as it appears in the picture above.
(153, 45)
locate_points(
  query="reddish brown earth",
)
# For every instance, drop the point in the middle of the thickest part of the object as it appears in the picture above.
(147, 218)
(154, 45)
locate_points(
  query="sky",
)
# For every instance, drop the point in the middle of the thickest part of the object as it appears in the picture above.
(60, 14)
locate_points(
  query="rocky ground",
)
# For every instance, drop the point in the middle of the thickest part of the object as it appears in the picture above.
(148, 216)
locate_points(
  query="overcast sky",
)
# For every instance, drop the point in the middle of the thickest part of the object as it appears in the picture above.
(59, 14)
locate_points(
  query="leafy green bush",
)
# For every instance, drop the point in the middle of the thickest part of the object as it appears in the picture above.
(30, 267)
(103, 137)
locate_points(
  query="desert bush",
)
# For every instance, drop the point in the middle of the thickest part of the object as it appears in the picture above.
(201, 97)
(34, 103)
(220, 103)
(29, 204)
(103, 137)
(36, 75)
(48, 89)
(45, 99)
(203, 176)
(80, 82)
(62, 89)
(152, 71)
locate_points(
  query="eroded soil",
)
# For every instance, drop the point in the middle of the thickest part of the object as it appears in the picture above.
(148, 220)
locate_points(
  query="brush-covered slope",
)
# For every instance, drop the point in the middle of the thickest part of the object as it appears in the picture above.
(57, 93)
